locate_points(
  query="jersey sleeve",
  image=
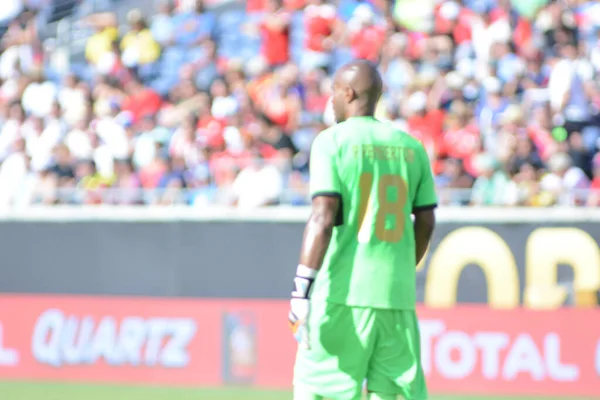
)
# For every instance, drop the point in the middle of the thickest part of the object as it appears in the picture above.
(324, 177)
(425, 196)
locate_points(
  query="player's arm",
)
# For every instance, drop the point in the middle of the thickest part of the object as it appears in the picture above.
(318, 231)
(326, 195)
(423, 227)
(325, 190)
(423, 206)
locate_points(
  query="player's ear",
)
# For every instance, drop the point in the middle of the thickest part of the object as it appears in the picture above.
(350, 95)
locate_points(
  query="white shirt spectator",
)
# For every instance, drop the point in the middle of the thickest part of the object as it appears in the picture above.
(567, 77)
(10, 9)
(9, 90)
(162, 29)
(79, 144)
(26, 191)
(39, 97)
(72, 101)
(104, 160)
(258, 186)
(114, 136)
(11, 130)
(8, 62)
(40, 145)
(12, 173)
(145, 150)
(564, 180)
(485, 36)
(224, 106)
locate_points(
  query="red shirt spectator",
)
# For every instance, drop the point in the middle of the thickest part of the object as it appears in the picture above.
(210, 130)
(259, 5)
(222, 161)
(427, 127)
(594, 196)
(142, 101)
(543, 141)
(253, 6)
(429, 124)
(462, 143)
(318, 21)
(294, 5)
(151, 174)
(521, 32)
(275, 32)
(316, 102)
(366, 43)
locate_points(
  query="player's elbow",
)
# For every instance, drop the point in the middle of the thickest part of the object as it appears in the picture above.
(425, 220)
(322, 223)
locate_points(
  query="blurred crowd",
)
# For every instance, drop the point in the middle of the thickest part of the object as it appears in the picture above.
(177, 103)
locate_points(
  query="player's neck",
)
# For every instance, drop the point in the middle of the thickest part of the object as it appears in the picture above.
(361, 112)
(362, 115)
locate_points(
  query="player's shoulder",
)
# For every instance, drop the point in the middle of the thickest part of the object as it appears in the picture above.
(327, 137)
(411, 141)
(404, 136)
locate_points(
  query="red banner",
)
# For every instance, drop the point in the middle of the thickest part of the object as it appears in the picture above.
(212, 343)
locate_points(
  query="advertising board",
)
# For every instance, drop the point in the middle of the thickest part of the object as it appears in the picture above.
(465, 350)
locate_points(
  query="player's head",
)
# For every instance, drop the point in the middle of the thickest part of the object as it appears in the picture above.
(356, 90)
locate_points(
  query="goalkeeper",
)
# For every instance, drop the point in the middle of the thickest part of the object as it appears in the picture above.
(353, 304)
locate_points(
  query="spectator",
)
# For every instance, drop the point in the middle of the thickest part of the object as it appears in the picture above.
(162, 25)
(398, 72)
(140, 100)
(13, 172)
(174, 176)
(151, 174)
(41, 138)
(275, 34)
(71, 98)
(565, 182)
(568, 96)
(366, 35)
(11, 130)
(11, 10)
(259, 184)
(525, 189)
(594, 199)
(320, 24)
(582, 159)
(456, 178)
(79, 140)
(184, 141)
(461, 139)
(492, 106)
(490, 188)
(21, 47)
(193, 24)
(101, 42)
(39, 96)
(140, 50)
(424, 124)
(205, 67)
(150, 137)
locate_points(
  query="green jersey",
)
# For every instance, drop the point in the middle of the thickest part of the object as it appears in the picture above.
(381, 176)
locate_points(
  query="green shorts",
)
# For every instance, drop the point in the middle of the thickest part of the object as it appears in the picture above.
(351, 344)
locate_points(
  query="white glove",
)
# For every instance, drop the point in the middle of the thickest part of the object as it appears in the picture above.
(300, 304)
(298, 316)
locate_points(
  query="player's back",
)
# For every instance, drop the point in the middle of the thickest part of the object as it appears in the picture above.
(371, 258)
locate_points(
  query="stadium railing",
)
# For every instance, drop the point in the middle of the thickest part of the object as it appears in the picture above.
(225, 197)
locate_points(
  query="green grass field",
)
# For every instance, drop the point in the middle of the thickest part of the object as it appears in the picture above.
(51, 391)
